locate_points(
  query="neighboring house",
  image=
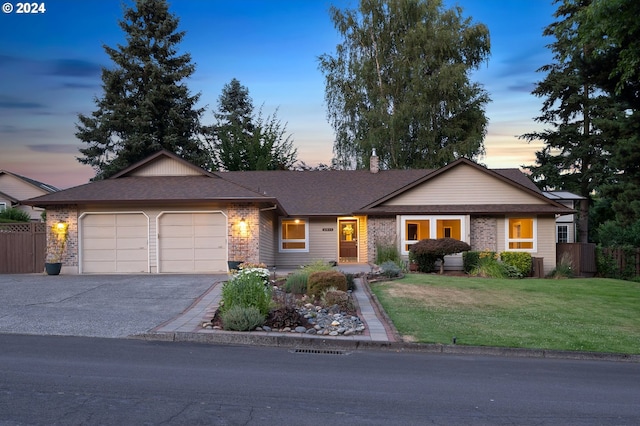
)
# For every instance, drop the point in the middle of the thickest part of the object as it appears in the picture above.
(165, 215)
(567, 224)
(15, 188)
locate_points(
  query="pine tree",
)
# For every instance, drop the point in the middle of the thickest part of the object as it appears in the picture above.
(400, 83)
(146, 105)
(242, 140)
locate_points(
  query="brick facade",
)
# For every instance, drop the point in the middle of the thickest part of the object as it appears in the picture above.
(484, 233)
(380, 230)
(69, 215)
(244, 240)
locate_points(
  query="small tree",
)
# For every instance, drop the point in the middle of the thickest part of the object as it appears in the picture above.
(427, 251)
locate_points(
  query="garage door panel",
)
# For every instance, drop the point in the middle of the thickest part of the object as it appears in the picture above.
(131, 232)
(100, 255)
(131, 244)
(176, 231)
(98, 232)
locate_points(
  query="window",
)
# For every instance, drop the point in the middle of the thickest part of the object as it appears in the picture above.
(414, 231)
(416, 228)
(294, 235)
(562, 234)
(448, 228)
(521, 233)
(3, 206)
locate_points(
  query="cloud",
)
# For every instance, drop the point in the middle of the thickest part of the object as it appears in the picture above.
(79, 86)
(524, 87)
(8, 102)
(55, 148)
(74, 68)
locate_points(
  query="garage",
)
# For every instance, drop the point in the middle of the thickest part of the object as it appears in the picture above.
(113, 243)
(192, 242)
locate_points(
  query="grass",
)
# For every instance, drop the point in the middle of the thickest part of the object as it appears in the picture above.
(594, 314)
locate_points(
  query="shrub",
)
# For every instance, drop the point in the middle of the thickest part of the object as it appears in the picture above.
(563, 268)
(427, 251)
(470, 260)
(387, 252)
(14, 215)
(521, 261)
(318, 265)
(258, 270)
(242, 318)
(390, 269)
(296, 283)
(320, 281)
(246, 290)
(341, 299)
(351, 282)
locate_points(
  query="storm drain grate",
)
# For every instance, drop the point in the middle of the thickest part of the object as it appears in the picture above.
(319, 351)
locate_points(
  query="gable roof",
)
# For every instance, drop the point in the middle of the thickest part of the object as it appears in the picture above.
(295, 193)
(324, 193)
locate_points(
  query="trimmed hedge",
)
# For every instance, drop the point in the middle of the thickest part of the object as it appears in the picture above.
(522, 261)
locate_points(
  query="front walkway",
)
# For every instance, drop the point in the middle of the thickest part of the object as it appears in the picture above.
(203, 309)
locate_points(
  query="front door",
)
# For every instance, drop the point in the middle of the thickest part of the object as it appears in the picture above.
(348, 240)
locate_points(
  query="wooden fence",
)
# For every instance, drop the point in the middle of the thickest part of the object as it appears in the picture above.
(23, 247)
(581, 255)
(629, 262)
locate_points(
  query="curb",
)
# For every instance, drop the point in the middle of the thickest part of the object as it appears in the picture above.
(319, 344)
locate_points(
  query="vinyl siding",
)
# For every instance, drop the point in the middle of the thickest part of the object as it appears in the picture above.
(18, 189)
(323, 245)
(464, 185)
(268, 237)
(166, 167)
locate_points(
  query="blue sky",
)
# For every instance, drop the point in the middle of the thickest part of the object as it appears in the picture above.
(50, 71)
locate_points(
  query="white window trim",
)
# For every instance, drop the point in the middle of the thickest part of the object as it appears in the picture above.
(305, 240)
(533, 240)
(558, 226)
(433, 228)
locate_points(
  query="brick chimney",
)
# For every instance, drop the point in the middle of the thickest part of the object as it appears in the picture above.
(373, 162)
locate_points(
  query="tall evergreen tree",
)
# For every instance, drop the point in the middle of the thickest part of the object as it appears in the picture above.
(146, 106)
(612, 31)
(580, 115)
(399, 82)
(242, 140)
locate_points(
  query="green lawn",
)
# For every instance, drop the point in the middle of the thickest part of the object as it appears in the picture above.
(598, 315)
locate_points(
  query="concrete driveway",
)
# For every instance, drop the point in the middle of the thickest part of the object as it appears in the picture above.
(95, 305)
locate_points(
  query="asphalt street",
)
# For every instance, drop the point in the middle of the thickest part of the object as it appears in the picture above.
(49, 380)
(95, 305)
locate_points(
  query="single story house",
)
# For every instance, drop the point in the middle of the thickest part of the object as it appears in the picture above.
(14, 188)
(165, 215)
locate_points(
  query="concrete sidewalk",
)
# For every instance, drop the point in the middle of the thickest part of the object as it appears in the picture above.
(190, 321)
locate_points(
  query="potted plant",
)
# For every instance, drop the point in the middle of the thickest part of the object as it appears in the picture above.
(56, 246)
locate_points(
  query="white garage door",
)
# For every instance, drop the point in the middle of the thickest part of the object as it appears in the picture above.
(115, 243)
(192, 242)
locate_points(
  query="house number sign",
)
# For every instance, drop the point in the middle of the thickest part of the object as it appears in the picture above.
(327, 229)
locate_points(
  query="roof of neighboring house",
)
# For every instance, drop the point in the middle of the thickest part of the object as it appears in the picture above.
(33, 182)
(563, 195)
(295, 193)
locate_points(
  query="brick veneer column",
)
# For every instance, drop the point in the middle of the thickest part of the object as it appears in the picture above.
(68, 214)
(484, 233)
(380, 230)
(244, 246)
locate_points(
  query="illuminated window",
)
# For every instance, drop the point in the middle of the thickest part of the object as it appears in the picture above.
(294, 235)
(448, 228)
(521, 233)
(416, 228)
(414, 231)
